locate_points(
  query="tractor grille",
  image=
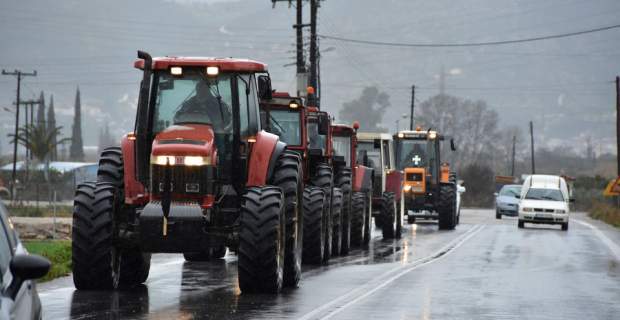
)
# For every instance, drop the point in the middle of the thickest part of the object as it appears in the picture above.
(191, 180)
(412, 176)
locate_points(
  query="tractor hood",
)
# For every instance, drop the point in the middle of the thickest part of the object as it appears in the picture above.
(185, 140)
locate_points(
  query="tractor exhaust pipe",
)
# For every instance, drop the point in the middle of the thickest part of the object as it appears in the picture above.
(142, 149)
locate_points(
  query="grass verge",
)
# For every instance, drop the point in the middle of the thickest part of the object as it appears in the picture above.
(57, 251)
(42, 211)
(605, 212)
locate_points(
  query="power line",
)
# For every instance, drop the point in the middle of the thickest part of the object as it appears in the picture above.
(470, 44)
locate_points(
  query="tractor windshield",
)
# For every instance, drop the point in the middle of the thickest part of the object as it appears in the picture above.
(316, 140)
(342, 147)
(287, 125)
(192, 98)
(412, 153)
(374, 155)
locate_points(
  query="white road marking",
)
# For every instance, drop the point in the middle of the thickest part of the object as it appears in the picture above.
(612, 246)
(366, 290)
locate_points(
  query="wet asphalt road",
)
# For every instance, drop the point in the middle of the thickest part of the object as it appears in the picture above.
(485, 269)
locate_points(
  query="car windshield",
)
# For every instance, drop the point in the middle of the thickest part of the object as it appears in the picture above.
(193, 98)
(286, 124)
(342, 147)
(544, 194)
(412, 153)
(510, 191)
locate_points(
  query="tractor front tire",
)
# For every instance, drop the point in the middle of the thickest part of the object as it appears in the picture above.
(358, 210)
(314, 234)
(323, 178)
(388, 215)
(96, 262)
(262, 240)
(287, 176)
(447, 207)
(343, 181)
(337, 218)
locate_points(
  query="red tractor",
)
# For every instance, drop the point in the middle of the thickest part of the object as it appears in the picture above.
(306, 130)
(355, 181)
(196, 176)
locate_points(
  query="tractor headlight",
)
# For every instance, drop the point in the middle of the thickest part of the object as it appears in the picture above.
(181, 160)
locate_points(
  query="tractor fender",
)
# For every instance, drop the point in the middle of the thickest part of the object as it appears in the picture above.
(277, 151)
(134, 190)
(394, 183)
(263, 157)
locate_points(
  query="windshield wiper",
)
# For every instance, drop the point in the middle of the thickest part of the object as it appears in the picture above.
(276, 123)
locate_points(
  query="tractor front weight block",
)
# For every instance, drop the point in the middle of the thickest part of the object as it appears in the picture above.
(185, 231)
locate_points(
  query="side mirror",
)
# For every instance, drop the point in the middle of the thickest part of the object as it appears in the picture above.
(377, 143)
(323, 124)
(264, 87)
(452, 145)
(26, 267)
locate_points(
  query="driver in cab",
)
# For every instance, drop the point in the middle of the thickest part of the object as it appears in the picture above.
(204, 107)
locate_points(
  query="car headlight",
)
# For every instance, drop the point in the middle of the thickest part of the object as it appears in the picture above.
(528, 209)
(181, 160)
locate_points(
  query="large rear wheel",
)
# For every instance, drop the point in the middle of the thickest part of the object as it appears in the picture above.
(314, 234)
(134, 264)
(358, 202)
(337, 219)
(343, 181)
(323, 178)
(262, 240)
(287, 176)
(447, 207)
(388, 215)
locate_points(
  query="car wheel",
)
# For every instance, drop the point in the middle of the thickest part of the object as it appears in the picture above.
(521, 224)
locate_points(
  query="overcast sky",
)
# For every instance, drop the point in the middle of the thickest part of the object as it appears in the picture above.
(564, 85)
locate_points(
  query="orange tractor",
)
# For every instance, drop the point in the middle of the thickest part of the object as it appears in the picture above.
(197, 176)
(430, 188)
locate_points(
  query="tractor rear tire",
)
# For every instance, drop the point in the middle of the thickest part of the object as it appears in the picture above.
(110, 167)
(262, 240)
(287, 176)
(447, 207)
(314, 234)
(410, 219)
(367, 220)
(388, 213)
(337, 218)
(96, 262)
(358, 211)
(343, 181)
(210, 254)
(323, 178)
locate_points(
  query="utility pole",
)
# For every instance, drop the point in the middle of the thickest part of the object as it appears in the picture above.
(19, 75)
(412, 105)
(302, 72)
(532, 144)
(514, 142)
(618, 123)
(314, 98)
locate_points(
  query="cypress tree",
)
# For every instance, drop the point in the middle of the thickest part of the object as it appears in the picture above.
(51, 123)
(76, 151)
(41, 111)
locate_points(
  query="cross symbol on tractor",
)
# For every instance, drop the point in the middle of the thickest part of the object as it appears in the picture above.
(416, 160)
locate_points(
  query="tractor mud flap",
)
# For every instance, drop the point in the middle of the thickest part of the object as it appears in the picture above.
(185, 231)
